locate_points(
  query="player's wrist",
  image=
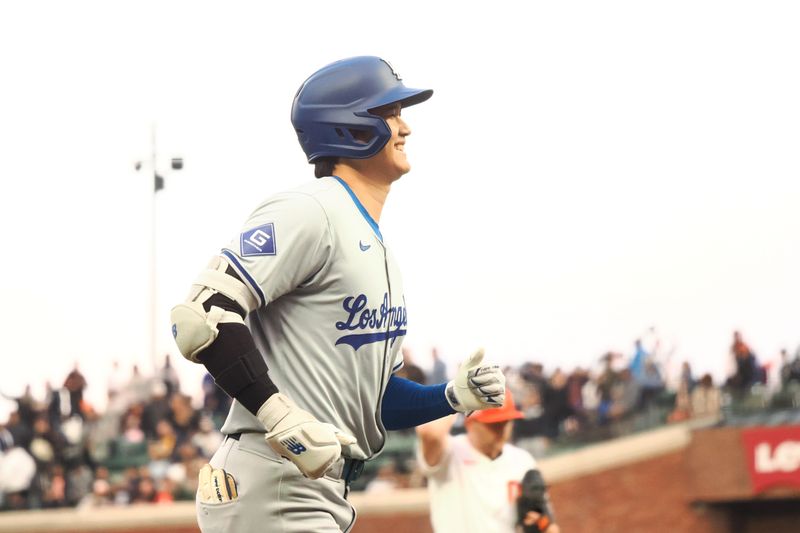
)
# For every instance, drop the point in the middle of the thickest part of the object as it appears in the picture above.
(275, 409)
(452, 398)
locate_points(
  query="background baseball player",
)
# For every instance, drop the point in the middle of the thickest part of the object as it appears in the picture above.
(310, 287)
(480, 482)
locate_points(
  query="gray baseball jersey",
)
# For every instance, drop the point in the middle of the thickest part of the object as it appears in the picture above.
(332, 315)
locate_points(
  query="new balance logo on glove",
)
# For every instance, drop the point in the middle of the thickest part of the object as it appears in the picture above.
(293, 446)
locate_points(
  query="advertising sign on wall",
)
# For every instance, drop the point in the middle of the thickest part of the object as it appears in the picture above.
(773, 456)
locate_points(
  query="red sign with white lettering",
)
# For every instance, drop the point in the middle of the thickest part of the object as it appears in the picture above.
(773, 456)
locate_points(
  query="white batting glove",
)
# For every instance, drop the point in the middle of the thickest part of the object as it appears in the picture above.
(215, 485)
(295, 434)
(476, 387)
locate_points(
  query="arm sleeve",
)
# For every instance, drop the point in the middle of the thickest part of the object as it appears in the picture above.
(407, 404)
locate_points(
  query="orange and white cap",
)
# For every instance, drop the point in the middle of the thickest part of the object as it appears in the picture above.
(498, 414)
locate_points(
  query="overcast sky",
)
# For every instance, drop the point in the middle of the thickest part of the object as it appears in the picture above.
(584, 170)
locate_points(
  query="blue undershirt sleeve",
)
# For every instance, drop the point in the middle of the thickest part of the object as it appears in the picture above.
(407, 404)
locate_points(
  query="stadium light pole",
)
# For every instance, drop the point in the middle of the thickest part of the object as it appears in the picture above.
(158, 184)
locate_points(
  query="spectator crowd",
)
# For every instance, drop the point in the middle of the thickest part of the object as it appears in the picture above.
(147, 445)
(150, 441)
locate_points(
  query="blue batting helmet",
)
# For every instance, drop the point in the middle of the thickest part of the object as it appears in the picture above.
(331, 110)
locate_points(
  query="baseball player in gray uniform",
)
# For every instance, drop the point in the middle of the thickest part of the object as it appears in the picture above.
(301, 318)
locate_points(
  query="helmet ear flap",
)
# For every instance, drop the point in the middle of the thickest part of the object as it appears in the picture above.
(365, 137)
(354, 134)
(360, 136)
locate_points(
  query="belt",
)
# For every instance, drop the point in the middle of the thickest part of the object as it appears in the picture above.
(351, 470)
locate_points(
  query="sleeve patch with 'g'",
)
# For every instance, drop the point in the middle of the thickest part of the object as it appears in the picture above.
(258, 241)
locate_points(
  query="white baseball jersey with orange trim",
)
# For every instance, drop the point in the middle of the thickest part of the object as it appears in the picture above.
(470, 492)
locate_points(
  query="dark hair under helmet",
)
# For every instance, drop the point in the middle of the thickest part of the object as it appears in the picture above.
(335, 102)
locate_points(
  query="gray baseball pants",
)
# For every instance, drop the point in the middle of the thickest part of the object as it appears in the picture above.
(274, 497)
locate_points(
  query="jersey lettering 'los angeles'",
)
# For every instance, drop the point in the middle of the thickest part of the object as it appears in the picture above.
(332, 316)
(361, 318)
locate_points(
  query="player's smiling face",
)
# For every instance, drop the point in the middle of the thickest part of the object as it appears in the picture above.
(391, 161)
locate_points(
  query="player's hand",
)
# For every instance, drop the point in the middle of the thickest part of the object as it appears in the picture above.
(537, 523)
(476, 386)
(295, 434)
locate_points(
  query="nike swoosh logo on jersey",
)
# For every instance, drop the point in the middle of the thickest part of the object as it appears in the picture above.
(364, 247)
